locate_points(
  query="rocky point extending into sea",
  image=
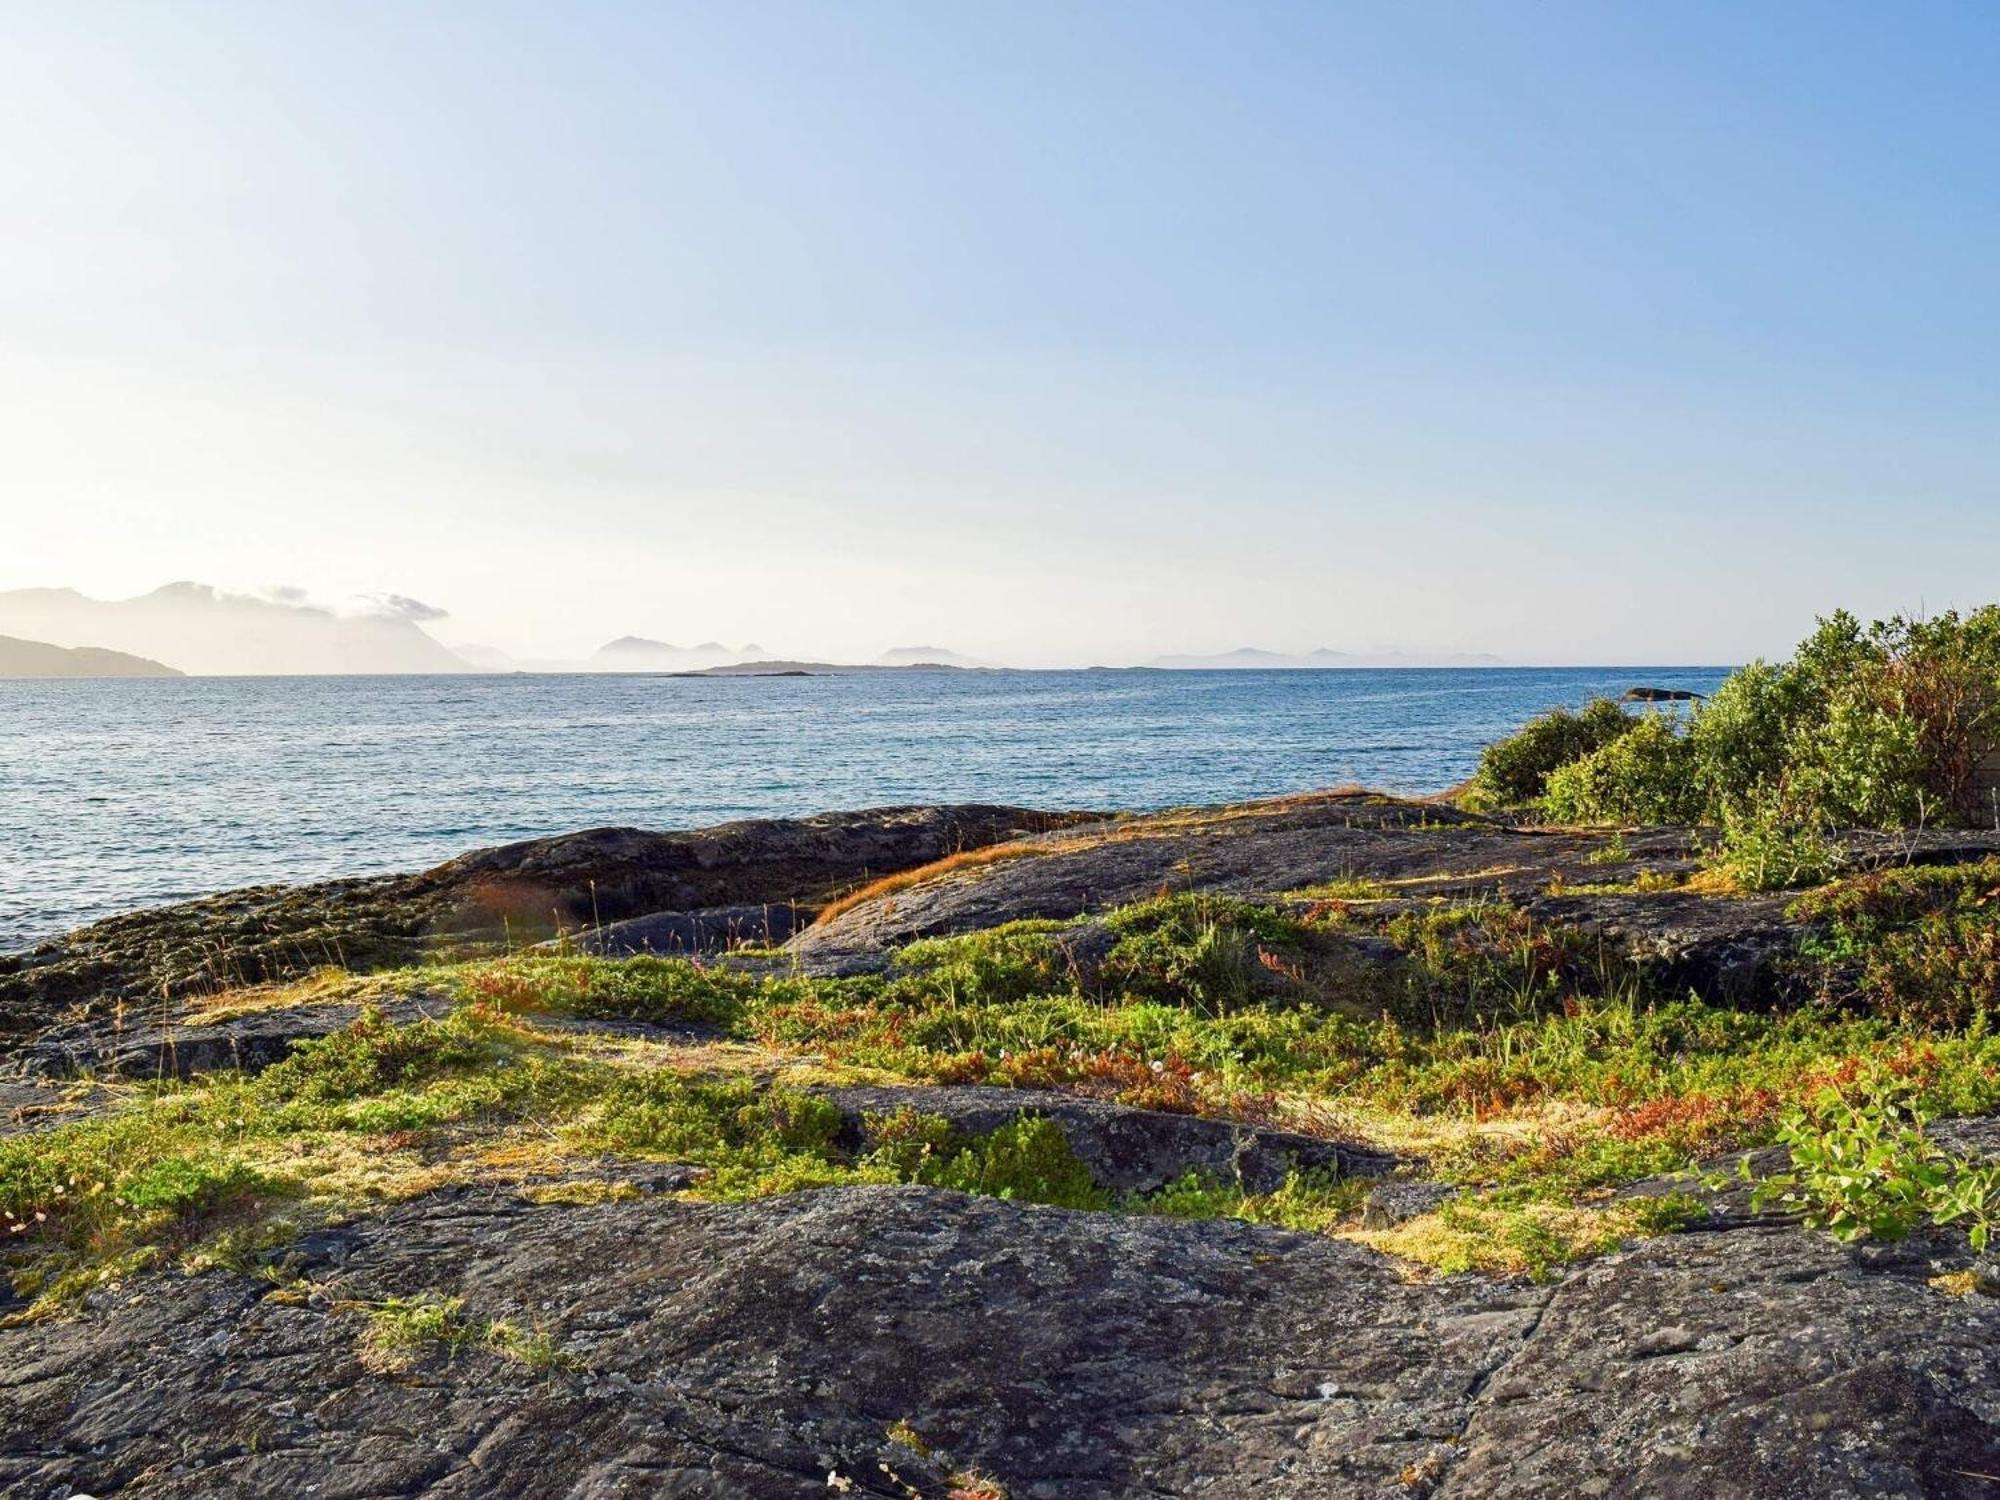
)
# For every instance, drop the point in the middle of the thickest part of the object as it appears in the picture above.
(700, 1163)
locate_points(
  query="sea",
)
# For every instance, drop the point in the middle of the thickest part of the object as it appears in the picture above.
(120, 794)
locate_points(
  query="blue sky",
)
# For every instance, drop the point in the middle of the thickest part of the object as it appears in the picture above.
(1053, 333)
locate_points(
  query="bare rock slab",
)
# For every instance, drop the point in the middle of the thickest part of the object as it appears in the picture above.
(754, 1350)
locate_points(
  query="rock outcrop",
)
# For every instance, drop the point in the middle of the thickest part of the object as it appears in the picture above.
(487, 900)
(908, 1341)
(1411, 851)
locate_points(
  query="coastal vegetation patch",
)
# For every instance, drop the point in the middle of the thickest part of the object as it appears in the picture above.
(1893, 725)
(1523, 1066)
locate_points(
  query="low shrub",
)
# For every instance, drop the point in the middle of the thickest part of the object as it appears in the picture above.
(1014, 961)
(1863, 1165)
(1643, 776)
(658, 990)
(1029, 1161)
(1920, 944)
(1515, 771)
(190, 1185)
(1761, 850)
(1315, 1202)
(1495, 961)
(1207, 952)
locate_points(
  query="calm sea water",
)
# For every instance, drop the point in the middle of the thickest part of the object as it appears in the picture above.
(120, 794)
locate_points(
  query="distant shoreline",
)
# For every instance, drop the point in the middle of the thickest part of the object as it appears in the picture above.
(752, 670)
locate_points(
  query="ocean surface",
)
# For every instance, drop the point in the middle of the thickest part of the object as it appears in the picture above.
(121, 794)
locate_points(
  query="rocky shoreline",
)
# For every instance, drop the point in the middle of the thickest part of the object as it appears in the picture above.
(899, 1338)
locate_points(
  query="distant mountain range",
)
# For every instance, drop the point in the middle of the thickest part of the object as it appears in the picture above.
(1253, 658)
(927, 656)
(20, 658)
(634, 653)
(203, 630)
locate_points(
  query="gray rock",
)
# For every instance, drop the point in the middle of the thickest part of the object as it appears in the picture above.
(1398, 1199)
(31, 1104)
(752, 1350)
(248, 1042)
(1748, 1364)
(715, 929)
(1127, 1150)
(1986, 1275)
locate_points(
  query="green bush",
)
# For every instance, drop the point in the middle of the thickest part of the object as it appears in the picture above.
(1644, 776)
(1762, 850)
(1878, 727)
(1737, 739)
(1515, 771)
(1859, 765)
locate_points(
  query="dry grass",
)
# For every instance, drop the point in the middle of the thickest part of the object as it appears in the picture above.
(324, 986)
(902, 880)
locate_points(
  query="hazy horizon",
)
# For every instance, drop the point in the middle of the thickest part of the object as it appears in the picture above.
(200, 630)
(1569, 335)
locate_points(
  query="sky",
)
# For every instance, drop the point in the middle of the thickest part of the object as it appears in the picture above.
(1049, 333)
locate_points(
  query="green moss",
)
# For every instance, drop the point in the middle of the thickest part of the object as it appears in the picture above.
(1347, 888)
(536, 1349)
(1030, 1161)
(1514, 1236)
(1314, 1202)
(189, 1185)
(402, 1329)
(399, 1332)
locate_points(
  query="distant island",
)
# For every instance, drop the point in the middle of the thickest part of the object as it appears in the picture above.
(822, 668)
(1252, 658)
(19, 658)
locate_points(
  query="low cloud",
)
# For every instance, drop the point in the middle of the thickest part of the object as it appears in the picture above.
(392, 607)
(371, 606)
